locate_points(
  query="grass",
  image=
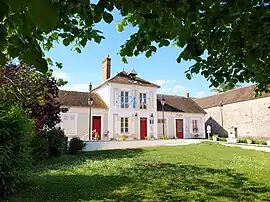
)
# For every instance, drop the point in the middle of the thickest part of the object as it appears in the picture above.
(204, 172)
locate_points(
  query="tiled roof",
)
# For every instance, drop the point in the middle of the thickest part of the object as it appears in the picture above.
(123, 78)
(178, 104)
(73, 98)
(229, 97)
(173, 103)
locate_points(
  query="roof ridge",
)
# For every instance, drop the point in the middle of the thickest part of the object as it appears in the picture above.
(235, 89)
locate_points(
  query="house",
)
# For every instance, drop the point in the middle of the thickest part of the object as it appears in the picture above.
(238, 109)
(127, 106)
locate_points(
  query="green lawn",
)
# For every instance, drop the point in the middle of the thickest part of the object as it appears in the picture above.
(204, 172)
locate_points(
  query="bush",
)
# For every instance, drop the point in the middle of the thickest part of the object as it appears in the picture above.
(76, 145)
(39, 147)
(56, 142)
(15, 137)
(164, 137)
(262, 142)
(242, 140)
(223, 139)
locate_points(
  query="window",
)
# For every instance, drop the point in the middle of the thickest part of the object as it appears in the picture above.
(160, 121)
(195, 128)
(143, 101)
(151, 121)
(124, 99)
(124, 125)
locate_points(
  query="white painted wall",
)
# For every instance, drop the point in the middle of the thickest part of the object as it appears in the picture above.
(187, 117)
(116, 112)
(81, 122)
(104, 93)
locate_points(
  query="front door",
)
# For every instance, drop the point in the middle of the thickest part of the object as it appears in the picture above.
(96, 127)
(143, 128)
(179, 128)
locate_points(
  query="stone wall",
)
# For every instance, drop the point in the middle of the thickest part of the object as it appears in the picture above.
(251, 118)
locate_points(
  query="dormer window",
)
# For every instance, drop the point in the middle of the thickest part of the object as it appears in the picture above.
(143, 102)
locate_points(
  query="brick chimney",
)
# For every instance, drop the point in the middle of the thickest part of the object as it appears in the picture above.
(106, 68)
(187, 95)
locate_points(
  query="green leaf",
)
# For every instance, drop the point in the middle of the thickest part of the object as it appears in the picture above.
(42, 65)
(124, 60)
(108, 18)
(14, 4)
(153, 48)
(66, 42)
(44, 13)
(188, 75)
(148, 53)
(109, 6)
(119, 27)
(98, 39)
(78, 50)
(83, 42)
(59, 65)
(178, 59)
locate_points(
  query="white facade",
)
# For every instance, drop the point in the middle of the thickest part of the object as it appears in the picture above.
(76, 121)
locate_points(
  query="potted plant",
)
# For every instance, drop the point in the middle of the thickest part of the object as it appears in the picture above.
(249, 140)
(215, 137)
(124, 137)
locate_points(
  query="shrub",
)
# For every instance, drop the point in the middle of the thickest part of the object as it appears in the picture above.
(124, 137)
(223, 139)
(76, 145)
(56, 141)
(242, 140)
(39, 147)
(164, 137)
(262, 142)
(15, 137)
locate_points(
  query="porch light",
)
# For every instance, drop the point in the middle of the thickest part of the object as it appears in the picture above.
(163, 101)
(136, 114)
(90, 101)
(152, 115)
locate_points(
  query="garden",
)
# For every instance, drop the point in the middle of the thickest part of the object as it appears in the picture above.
(29, 135)
(202, 172)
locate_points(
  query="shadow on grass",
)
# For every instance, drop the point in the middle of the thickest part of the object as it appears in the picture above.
(67, 161)
(148, 181)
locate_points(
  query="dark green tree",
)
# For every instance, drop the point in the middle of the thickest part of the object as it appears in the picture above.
(233, 34)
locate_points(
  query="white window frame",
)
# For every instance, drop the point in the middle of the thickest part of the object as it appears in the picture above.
(123, 122)
(143, 97)
(195, 126)
(125, 102)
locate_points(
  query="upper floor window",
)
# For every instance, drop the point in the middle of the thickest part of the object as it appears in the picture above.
(143, 103)
(124, 99)
(195, 128)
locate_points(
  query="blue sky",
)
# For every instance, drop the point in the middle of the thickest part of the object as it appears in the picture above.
(161, 68)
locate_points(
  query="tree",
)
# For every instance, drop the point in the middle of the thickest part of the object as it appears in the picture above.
(225, 87)
(233, 34)
(35, 92)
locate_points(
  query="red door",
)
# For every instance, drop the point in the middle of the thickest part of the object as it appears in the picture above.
(179, 128)
(143, 128)
(96, 127)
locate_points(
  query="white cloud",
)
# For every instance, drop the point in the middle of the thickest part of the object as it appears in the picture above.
(162, 82)
(60, 75)
(177, 88)
(81, 87)
(200, 94)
